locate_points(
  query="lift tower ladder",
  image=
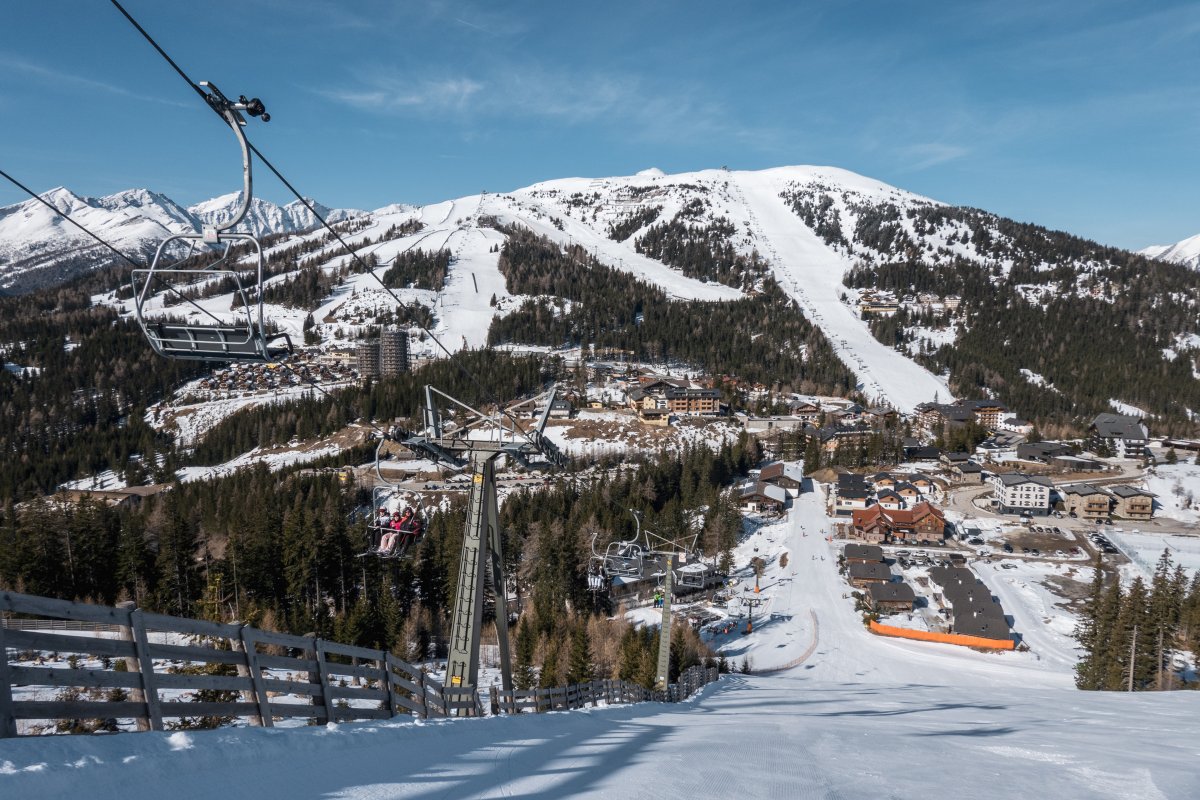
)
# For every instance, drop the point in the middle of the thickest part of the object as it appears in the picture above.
(476, 444)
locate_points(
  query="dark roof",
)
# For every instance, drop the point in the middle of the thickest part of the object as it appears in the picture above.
(680, 392)
(969, 466)
(874, 571)
(977, 404)
(982, 624)
(869, 552)
(1129, 491)
(1119, 426)
(1041, 449)
(1082, 489)
(891, 592)
(852, 485)
(968, 595)
(944, 576)
(1017, 478)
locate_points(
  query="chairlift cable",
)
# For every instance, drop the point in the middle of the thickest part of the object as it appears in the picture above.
(489, 396)
(53, 208)
(121, 255)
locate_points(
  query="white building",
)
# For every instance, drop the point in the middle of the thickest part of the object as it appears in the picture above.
(1018, 493)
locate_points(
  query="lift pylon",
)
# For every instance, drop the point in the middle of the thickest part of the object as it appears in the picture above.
(477, 444)
(668, 550)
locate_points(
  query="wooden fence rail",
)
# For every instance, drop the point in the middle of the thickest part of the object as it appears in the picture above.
(153, 664)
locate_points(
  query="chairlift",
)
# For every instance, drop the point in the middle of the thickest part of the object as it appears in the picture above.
(246, 338)
(392, 531)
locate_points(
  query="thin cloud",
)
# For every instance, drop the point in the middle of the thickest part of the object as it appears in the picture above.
(391, 95)
(66, 80)
(930, 154)
(645, 112)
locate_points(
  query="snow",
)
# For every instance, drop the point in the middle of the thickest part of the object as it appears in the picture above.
(1147, 547)
(1036, 379)
(1125, 408)
(1177, 491)
(273, 458)
(106, 481)
(857, 716)
(811, 272)
(1186, 252)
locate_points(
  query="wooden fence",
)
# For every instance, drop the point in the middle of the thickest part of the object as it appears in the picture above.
(611, 692)
(152, 666)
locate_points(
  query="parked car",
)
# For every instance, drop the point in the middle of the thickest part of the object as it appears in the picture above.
(1008, 548)
(975, 540)
(1008, 565)
(1059, 554)
(1035, 552)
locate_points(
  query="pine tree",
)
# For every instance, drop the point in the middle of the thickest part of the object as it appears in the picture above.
(579, 669)
(524, 675)
(550, 677)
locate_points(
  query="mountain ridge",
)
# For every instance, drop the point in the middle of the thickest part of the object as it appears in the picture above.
(38, 248)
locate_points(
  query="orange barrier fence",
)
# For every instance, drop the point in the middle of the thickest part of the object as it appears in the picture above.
(947, 638)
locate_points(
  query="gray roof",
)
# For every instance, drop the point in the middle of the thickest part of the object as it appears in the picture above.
(1120, 426)
(766, 490)
(945, 576)
(891, 592)
(984, 625)
(874, 571)
(969, 466)
(1017, 478)
(870, 552)
(1129, 491)
(1083, 489)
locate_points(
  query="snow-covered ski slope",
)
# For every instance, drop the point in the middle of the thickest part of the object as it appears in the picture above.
(580, 211)
(805, 266)
(860, 717)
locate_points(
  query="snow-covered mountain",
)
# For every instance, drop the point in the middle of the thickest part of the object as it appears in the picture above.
(264, 216)
(38, 248)
(822, 234)
(1186, 252)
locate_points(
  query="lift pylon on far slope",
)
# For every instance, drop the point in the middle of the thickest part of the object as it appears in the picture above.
(476, 443)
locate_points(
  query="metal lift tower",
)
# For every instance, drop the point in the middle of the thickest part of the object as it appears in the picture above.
(474, 445)
(667, 550)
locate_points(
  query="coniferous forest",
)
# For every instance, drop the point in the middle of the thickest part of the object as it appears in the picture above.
(1096, 322)
(762, 338)
(279, 550)
(1130, 635)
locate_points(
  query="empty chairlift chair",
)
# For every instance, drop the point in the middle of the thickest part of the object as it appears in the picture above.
(245, 337)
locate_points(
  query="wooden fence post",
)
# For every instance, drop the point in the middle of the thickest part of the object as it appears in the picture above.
(323, 677)
(494, 698)
(388, 685)
(8, 721)
(244, 644)
(142, 647)
(419, 679)
(125, 633)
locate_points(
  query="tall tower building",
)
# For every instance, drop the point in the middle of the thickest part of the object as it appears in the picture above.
(393, 352)
(368, 359)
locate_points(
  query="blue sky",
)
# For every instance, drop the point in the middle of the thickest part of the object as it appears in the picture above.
(1083, 116)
